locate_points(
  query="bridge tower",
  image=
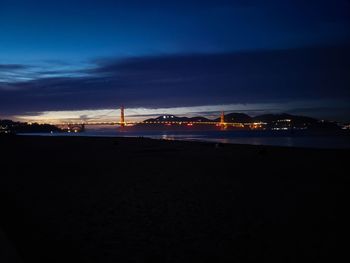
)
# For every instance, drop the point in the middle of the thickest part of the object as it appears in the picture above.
(222, 121)
(122, 117)
(222, 118)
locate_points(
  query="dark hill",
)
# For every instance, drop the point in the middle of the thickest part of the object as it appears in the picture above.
(276, 117)
(168, 118)
(296, 121)
(23, 127)
(282, 120)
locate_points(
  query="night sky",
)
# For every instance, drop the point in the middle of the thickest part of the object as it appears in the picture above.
(83, 59)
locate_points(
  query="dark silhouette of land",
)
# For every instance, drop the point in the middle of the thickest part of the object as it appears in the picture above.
(270, 121)
(9, 126)
(172, 122)
(85, 199)
(241, 118)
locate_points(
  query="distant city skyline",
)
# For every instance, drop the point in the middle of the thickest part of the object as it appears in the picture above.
(79, 59)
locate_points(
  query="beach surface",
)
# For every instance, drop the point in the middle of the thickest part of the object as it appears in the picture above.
(105, 200)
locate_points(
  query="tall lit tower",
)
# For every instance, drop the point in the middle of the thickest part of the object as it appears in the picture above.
(122, 117)
(222, 118)
(222, 121)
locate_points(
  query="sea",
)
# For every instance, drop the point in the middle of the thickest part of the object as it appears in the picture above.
(300, 138)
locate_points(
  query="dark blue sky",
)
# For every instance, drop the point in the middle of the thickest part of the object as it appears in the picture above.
(76, 55)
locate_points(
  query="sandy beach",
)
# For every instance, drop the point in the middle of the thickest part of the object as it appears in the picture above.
(105, 200)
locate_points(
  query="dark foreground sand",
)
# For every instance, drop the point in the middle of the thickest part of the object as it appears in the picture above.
(140, 200)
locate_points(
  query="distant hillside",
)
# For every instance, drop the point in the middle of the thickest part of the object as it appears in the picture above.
(22, 127)
(295, 121)
(272, 121)
(284, 116)
(167, 118)
(240, 118)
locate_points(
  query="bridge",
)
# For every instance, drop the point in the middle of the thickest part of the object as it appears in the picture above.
(79, 126)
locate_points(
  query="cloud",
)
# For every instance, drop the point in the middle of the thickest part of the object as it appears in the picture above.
(10, 72)
(271, 76)
(6, 67)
